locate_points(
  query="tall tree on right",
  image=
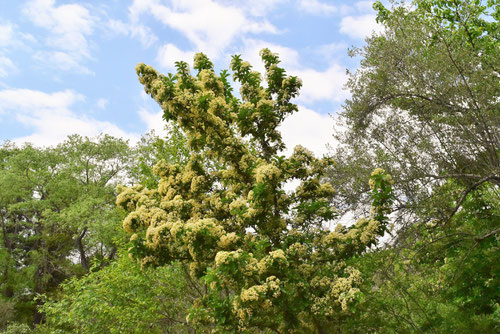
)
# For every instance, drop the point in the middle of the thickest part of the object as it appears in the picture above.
(425, 102)
(425, 107)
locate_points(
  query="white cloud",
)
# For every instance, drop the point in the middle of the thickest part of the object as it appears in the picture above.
(61, 60)
(251, 48)
(38, 101)
(154, 121)
(9, 36)
(151, 115)
(331, 50)
(345, 9)
(6, 35)
(51, 118)
(262, 7)
(210, 26)
(309, 129)
(168, 54)
(118, 27)
(135, 30)
(27, 37)
(317, 85)
(365, 6)
(360, 26)
(6, 66)
(360, 7)
(10, 39)
(316, 7)
(322, 85)
(143, 34)
(255, 7)
(102, 103)
(68, 25)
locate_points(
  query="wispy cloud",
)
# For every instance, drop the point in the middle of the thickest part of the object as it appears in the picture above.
(6, 66)
(317, 84)
(6, 34)
(258, 7)
(134, 29)
(365, 5)
(309, 129)
(154, 121)
(210, 26)
(51, 117)
(68, 27)
(316, 7)
(324, 85)
(10, 39)
(330, 51)
(168, 54)
(361, 26)
(359, 19)
(61, 60)
(102, 103)
(251, 47)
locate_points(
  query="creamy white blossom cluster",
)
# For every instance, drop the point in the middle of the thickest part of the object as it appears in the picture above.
(259, 249)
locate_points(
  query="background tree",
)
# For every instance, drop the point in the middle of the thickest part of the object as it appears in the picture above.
(122, 298)
(425, 108)
(56, 206)
(151, 148)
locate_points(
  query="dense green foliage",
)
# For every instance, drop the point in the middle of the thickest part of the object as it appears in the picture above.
(425, 107)
(217, 244)
(56, 205)
(58, 213)
(122, 298)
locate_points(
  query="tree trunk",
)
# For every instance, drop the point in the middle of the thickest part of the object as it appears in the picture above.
(81, 250)
(8, 291)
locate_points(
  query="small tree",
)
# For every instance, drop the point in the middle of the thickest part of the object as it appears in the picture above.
(265, 256)
(121, 299)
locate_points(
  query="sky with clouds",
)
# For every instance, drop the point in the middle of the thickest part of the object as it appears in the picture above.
(67, 66)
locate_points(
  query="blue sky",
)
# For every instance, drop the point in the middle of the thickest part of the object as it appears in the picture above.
(67, 66)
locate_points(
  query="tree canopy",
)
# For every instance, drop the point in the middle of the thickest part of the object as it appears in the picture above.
(424, 107)
(266, 257)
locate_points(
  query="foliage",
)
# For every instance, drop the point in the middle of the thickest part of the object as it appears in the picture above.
(151, 148)
(265, 257)
(6, 313)
(445, 281)
(122, 298)
(17, 328)
(56, 206)
(425, 108)
(218, 245)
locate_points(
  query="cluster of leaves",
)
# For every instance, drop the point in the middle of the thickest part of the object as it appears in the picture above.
(151, 148)
(122, 298)
(443, 279)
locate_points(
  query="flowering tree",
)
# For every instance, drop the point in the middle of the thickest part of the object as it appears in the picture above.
(265, 258)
